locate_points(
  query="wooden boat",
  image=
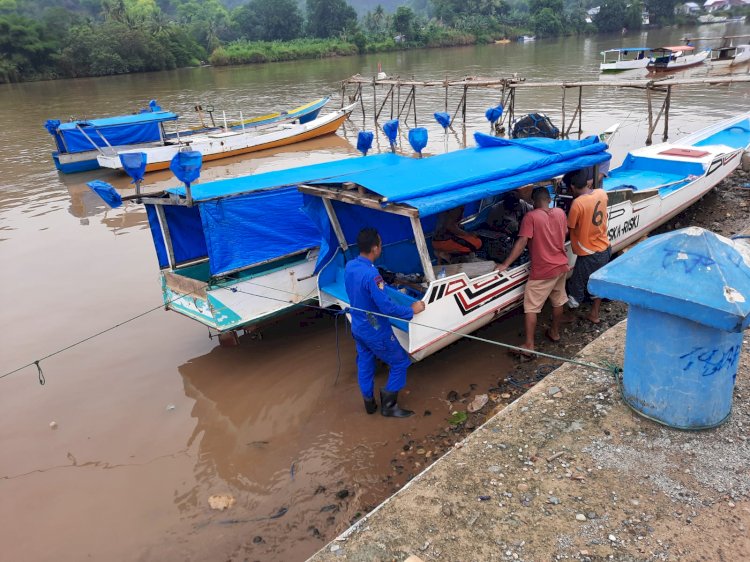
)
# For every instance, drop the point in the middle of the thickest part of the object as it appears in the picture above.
(628, 58)
(653, 185)
(238, 252)
(710, 18)
(526, 38)
(79, 142)
(676, 57)
(730, 56)
(225, 143)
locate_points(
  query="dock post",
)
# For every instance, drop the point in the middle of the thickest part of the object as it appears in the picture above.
(463, 110)
(650, 113)
(445, 82)
(414, 103)
(667, 103)
(685, 324)
(343, 92)
(562, 125)
(580, 111)
(374, 103)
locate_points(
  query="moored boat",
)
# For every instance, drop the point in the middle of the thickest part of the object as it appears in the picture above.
(653, 185)
(238, 252)
(627, 58)
(710, 18)
(231, 142)
(79, 142)
(676, 57)
(730, 56)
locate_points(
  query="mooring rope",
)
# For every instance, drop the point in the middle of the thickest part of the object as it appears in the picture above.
(606, 366)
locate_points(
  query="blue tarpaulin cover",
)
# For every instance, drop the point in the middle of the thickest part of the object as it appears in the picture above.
(119, 131)
(247, 220)
(443, 182)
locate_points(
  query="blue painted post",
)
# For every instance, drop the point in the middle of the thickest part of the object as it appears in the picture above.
(689, 297)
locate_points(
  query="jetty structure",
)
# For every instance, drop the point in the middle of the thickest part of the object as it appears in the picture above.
(397, 97)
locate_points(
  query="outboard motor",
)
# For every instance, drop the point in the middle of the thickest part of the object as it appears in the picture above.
(534, 125)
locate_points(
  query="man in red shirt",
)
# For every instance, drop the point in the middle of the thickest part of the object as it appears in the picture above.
(544, 230)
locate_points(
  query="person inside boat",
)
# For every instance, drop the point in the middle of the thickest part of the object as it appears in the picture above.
(504, 221)
(587, 174)
(373, 335)
(450, 241)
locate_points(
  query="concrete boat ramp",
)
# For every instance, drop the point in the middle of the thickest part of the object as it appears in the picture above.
(569, 472)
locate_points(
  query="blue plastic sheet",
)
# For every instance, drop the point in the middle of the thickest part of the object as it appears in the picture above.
(107, 192)
(119, 131)
(390, 128)
(444, 119)
(186, 165)
(364, 141)
(418, 139)
(134, 164)
(494, 113)
(441, 182)
(185, 231)
(255, 227)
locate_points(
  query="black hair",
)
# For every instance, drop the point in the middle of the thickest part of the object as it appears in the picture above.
(367, 239)
(510, 201)
(540, 194)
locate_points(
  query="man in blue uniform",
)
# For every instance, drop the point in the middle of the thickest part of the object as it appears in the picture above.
(372, 333)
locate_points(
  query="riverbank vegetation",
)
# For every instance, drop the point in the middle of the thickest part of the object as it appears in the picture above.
(41, 39)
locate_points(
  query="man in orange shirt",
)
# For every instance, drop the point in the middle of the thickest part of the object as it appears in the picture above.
(587, 221)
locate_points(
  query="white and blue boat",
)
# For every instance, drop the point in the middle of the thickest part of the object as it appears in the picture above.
(626, 58)
(235, 253)
(651, 186)
(80, 142)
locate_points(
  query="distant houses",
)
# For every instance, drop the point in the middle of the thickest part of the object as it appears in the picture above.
(718, 5)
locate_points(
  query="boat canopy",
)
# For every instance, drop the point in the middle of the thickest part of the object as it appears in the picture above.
(422, 188)
(118, 131)
(628, 50)
(676, 48)
(241, 222)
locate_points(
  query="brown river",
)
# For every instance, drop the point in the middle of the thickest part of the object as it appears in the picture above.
(153, 417)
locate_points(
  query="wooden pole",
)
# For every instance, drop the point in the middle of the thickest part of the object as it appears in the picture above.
(374, 103)
(667, 102)
(414, 103)
(424, 253)
(650, 114)
(343, 93)
(446, 94)
(382, 105)
(580, 111)
(463, 110)
(562, 127)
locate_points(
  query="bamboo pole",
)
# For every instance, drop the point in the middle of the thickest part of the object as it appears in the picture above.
(667, 103)
(374, 102)
(580, 111)
(562, 125)
(650, 116)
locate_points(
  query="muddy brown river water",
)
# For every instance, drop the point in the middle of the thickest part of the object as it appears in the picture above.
(154, 417)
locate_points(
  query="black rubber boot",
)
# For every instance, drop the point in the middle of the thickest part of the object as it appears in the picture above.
(370, 405)
(389, 407)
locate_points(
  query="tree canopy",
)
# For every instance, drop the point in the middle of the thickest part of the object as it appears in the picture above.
(328, 18)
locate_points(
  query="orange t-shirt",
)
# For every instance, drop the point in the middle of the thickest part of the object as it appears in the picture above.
(587, 221)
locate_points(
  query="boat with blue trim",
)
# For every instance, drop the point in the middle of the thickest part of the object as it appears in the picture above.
(626, 58)
(652, 185)
(80, 141)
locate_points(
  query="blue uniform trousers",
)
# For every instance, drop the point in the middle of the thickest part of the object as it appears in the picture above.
(387, 349)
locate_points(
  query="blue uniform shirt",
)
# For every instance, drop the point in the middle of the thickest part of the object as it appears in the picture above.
(366, 290)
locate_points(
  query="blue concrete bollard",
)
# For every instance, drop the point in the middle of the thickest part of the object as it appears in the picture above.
(689, 297)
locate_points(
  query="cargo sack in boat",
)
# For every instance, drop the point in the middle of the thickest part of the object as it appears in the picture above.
(534, 125)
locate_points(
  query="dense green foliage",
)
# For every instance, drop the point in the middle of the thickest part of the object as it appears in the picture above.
(49, 39)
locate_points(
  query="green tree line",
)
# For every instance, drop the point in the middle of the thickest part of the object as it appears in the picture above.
(72, 38)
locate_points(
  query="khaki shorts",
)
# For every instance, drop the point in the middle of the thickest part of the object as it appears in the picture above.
(539, 290)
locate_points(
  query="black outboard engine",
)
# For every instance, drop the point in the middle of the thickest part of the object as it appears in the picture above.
(534, 125)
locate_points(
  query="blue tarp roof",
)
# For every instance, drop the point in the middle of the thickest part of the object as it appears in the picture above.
(138, 118)
(289, 177)
(691, 273)
(442, 182)
(247, 220)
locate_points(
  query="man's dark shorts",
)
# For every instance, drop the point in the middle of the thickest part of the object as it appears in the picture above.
(585, 266)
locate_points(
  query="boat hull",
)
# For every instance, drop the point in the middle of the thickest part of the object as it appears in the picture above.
(623, 65)
(76, 162)
(679, 63)
(249, 301)
(458, 305)
(225, 145)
